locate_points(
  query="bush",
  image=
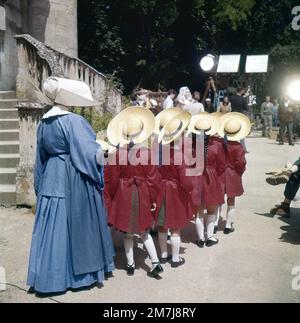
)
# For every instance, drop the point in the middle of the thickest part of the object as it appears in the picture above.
(98, 122)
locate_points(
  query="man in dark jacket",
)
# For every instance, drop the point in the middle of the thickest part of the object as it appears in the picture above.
(286, 118)
(238, 102)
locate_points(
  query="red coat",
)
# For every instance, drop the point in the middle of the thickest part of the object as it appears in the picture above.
(214, 169)
(122, 182)
(218, 141)
(176, 189)
(235, 167)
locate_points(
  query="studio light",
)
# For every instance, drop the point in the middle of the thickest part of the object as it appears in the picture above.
(208, 63)
(257, 64)
(229, 64)
(294, 90)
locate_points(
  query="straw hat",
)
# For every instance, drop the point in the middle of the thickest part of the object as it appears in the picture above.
(236, 126)
(69, 93)
(174, 128)
(204, 122)
(218, 114)
(133, 124)
(164, 117)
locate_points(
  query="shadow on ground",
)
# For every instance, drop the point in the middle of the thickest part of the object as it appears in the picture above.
(291, 229)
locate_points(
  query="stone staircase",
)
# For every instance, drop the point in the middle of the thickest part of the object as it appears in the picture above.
(9, 147)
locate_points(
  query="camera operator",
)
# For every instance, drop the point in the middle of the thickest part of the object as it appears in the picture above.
(286, 119)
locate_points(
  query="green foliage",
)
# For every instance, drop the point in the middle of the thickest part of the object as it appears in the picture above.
(98, 122)
(157, 44)
(234, 12)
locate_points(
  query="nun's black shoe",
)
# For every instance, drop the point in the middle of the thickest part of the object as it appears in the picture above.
(154, 273)
(211, 242)
(200, 243)
(228, 230)
(31, 291)
(216, 229)
(130, 270)
(181, 262)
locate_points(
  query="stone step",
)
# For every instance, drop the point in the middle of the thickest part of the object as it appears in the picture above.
(9, 135)
(7, 195)
(8, 104)
(9, 147)
(6, 124)
(7, 95)
(9, 160)
(8, 176)
(9, 113)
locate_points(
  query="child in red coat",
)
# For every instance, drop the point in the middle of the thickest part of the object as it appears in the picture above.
(133, 184)
(234, 127)
(174, 207)
(235, 168)
(212, 194)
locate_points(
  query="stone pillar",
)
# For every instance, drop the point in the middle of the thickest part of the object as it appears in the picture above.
(29, 115)
(55, 24)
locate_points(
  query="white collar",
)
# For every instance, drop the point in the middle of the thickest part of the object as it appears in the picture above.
(55, 111)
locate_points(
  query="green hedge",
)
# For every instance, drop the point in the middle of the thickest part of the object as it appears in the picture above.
(98, 122)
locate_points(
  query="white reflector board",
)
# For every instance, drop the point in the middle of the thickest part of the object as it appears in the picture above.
(257, 64)
(229, 63)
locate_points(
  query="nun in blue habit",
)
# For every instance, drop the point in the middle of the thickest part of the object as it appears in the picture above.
(71, 243)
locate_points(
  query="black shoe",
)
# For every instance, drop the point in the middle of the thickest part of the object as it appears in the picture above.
(211, 242)
(281, 144)
(282, 210)
(31, 291)
(163, 261)
(216, 229)
(130, 270)
(153, 233)
(292, 144)
(181, 262)
(228, 230)
(154, 273)
(200, 243)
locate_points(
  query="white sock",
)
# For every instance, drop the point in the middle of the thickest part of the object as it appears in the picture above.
(128, 245)
(200, 228)
(230, 216)
(175, 243)
(150, 247)
(219, 212)
(163, 243)
(210, 224)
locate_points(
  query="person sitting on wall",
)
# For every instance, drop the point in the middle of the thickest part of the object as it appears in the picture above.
(291, 177)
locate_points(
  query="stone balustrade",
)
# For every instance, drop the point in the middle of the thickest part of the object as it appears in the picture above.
(36, 62)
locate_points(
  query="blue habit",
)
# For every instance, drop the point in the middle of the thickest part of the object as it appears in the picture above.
(71, 243)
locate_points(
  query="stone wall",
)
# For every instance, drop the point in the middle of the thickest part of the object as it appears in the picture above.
(29, 118)
(36, 63)
(54, 23)
(8, 47)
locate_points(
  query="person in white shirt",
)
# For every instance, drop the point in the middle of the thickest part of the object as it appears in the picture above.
(169, 101)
